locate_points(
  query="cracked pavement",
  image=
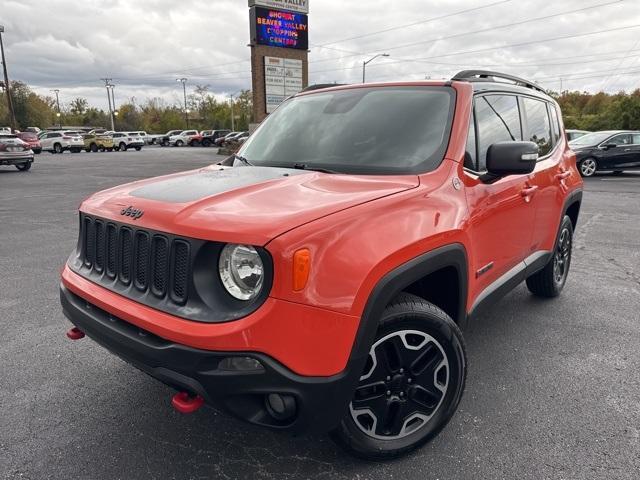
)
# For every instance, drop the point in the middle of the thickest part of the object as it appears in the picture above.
(553, 390)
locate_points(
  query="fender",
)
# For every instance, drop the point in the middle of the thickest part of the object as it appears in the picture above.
(452, 255)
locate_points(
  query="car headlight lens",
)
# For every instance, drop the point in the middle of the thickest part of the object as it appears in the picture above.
(241, 271)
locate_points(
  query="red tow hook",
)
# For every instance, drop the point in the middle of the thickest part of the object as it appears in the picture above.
(184, 402)
(75, 333)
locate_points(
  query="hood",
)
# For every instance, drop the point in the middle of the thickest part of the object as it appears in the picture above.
(249, 205)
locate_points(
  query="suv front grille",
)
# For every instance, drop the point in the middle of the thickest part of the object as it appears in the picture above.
(128, 256)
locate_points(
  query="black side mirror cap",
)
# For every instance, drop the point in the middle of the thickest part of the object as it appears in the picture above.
(511, 158)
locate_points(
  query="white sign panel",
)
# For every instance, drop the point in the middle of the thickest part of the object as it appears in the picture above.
(301, 6)
(282, 78)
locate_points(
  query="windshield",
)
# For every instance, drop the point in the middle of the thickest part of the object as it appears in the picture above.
(373, 130)
(590, 139)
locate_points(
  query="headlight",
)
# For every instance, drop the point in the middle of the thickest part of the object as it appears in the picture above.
(241, 271)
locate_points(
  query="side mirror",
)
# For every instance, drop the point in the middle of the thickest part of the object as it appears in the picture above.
(511, 158)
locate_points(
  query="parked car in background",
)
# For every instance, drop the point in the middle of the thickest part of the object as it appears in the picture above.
(14, 151)
(125, 140)
(220, 141)
(95, 142)
(573, 134)
(183, 138)
(233, 138)
(5, 130)
(35, 130)
(211, 136)
(31, 139)
(164, 139)
(616, 150)
(59, 142)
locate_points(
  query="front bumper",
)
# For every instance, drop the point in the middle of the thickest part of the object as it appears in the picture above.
(320, 402)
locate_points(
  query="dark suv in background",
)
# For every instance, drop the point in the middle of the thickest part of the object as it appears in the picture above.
(615, 150)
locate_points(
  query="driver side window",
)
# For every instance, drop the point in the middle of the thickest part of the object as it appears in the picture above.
(498, 120)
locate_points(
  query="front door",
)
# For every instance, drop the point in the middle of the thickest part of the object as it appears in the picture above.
(501, 212)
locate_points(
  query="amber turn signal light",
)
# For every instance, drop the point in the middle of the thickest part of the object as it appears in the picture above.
(301, 268)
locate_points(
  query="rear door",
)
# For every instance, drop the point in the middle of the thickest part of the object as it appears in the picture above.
(619, 157)
(501, 215)
(541, 125)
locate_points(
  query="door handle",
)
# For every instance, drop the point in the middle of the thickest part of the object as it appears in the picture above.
(563, 175)
(527, 192)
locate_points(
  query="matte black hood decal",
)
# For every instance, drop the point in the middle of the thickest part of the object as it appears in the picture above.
(194, 187)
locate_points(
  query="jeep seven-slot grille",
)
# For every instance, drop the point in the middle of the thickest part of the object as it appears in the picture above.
(136, 257)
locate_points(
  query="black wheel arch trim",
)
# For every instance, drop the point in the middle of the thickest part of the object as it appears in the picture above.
(452, 255)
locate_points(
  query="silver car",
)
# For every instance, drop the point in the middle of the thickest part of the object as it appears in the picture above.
(14, 151)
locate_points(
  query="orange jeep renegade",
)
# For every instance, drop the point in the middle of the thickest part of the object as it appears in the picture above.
(320, 278)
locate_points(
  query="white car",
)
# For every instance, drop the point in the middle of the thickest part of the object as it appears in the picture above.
(183, 138)
(58, 142)
(125, 140)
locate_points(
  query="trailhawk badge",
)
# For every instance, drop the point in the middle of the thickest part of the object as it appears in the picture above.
(132, 212)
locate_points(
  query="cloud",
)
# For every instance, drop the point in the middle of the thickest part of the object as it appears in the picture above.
(145, 44)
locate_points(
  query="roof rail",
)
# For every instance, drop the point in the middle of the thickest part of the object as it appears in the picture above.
(488, 75)
(319, 86)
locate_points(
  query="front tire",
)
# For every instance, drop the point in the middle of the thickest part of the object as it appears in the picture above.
(123, 147)
(179, 143)
(57, 148)
(412, 384)
(588, 167)
(138, 149)
(550, 281)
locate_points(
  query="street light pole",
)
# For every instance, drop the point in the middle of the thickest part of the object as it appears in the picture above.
(106, 85)
(7, 86)
(184, 92)
(364, 64)
(57, 91)
(233, 113)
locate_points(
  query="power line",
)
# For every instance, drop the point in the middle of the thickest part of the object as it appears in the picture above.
(483, 30)
(421, 22)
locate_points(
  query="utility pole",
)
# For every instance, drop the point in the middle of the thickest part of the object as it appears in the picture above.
(57, 91)
(113, 103)
(233, 113)
(184, 92)
(7, 86)
(107, 82)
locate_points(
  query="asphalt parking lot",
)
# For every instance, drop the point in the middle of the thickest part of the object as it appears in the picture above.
(553, 390)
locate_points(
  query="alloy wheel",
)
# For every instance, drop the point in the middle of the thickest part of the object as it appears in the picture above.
(562, 257)
(404, 384)
(588, 167)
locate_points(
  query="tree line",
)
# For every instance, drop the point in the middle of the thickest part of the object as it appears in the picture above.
(154, 115)
(581, 110)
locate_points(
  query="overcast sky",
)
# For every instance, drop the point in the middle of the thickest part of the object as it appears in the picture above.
(144, 45)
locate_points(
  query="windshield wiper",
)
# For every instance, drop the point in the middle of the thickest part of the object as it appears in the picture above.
(304, 166)
(243, 160)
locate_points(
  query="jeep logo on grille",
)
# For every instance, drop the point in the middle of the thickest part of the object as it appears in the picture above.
(132, 212)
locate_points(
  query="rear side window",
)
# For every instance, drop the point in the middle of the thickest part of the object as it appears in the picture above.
(636, 138)
(498, 119)
(539, 129)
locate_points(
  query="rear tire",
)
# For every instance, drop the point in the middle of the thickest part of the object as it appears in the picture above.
(94, 147)
(588, 167)
(413, 382)
(122, 147)
(550, 281)
(179, 143)
(23, 167)
(57, 148)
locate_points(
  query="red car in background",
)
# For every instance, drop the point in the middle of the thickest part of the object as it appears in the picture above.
(31, 139)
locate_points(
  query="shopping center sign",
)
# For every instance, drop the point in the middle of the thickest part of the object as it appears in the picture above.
(275, 28)
(300, 6)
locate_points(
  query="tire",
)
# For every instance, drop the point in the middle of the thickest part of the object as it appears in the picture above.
(550, 281)
(94, 147)
(24, 167)
(138, 149)
(110, 149)
(206, 143)
(165, 143)
(101, 148)
(416, 336)
(57, 148)
(588, 167)
(37, 151)
(122, 147)
(179, 143)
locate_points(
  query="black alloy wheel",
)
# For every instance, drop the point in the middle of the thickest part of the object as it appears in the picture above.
(411, 385)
